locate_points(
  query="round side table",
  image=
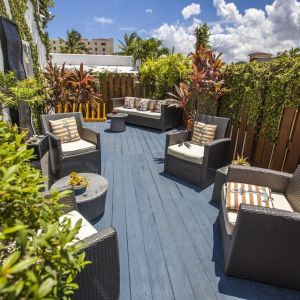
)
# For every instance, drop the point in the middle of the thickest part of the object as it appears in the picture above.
(91, 204)
(117, 122)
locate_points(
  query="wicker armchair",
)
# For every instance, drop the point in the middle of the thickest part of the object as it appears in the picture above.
(214, 155)
(100, 279)
(265, 242)
(84, 161)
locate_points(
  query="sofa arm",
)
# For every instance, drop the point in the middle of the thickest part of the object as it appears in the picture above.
(117, 102)
(216, 153)
(91, 136)
(265, 246)
(101, 278)
(276, 181)
(177, 137)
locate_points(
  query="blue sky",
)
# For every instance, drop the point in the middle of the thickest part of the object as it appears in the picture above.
(237, 26)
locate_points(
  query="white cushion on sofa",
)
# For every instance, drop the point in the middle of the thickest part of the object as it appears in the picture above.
(77, 147)
(187, 151)
(86, 228)
(135, 112)
(230, 215)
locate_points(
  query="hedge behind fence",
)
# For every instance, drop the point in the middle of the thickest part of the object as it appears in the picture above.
(262, 90)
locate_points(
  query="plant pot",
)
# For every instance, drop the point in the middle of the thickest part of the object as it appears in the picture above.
(79, 189)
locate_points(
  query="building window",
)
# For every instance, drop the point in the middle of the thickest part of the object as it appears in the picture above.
(53, 42)
(88, 43)
(103, 49)
(96, 49)
(54, 48)
(95, 43)
(103, 44)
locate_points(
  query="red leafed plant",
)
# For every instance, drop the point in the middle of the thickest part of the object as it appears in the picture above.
(83, 86)
(182, 95)
(57, 85)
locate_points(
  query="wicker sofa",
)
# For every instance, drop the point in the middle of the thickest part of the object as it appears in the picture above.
(169, 117)
(80, 156)
(263, 244)
(197, 164)
(101, 278)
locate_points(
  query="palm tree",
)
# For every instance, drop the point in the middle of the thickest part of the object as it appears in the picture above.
(73, 44)
(127, 46)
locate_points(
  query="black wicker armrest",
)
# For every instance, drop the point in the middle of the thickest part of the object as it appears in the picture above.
(101, 278)
(276, 181)
(265, 246)
(216, 153)
(54, 142)
(173, 138)
(91, 136)
(117, 102)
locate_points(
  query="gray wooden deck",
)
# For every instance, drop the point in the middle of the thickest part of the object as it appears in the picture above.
(168, 232)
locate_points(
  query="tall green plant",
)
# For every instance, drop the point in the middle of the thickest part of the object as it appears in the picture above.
(37, 257)
(161, 74)
(73, 43)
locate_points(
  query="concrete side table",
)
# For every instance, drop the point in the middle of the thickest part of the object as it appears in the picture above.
(91, 204)
(117, 122)
(220, 179)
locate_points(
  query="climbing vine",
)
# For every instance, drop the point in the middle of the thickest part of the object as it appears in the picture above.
(18, 9)
(263, 90)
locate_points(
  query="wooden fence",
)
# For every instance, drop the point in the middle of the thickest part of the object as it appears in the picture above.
(283, 155)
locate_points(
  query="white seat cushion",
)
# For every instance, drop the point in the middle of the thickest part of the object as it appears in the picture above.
(133, 111)
(77, 147)
(230, 216)
(86, 228)
(187, 151)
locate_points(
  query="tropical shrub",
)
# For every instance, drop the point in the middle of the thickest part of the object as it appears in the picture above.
(37, 258)
(70, 87)
(161, 74)
(262, 90)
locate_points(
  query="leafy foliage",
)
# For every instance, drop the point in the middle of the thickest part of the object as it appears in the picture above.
(163, 73)
(38, 258)
(142, 49)
(202, 35)
(70, 86)
(263, 90)
(77, 180)
(73, 44)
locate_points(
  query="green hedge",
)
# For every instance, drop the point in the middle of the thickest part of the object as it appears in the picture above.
(262, 90)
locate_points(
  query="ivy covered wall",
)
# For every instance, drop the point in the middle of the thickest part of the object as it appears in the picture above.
(27, 15)
(262, 90)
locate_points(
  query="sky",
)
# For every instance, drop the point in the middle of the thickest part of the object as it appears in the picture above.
(237, 27)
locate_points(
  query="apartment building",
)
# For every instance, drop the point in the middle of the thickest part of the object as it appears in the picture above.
(95, 46)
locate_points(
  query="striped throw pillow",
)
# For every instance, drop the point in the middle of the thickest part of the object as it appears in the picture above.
(203, 133)
(65, 129)
(242, 193)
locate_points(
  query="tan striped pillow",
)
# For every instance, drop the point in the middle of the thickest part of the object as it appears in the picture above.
(65, 129)
(242, 193)
(203, 133)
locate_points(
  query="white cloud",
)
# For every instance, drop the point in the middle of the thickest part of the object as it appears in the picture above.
(127, 28)
(191, 10)
(236, 34)
(103, 20)
(149, 11)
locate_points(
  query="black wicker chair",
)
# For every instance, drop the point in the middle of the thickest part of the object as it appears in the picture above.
(264, 245)
(100, 279)
(215, 153)
(87, 161)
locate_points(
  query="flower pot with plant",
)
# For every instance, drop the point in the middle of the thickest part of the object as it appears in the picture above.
(241, 161)
(78, 182)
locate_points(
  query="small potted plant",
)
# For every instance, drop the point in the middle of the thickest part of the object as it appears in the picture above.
(241, 161)
(78, 183)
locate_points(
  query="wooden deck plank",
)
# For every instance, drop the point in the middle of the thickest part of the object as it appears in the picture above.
(169, 237)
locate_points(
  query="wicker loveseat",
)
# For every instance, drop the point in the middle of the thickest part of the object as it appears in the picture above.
(263, 244)
(197, 164)
(169, 117)
(100, 279)
(80, 156)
